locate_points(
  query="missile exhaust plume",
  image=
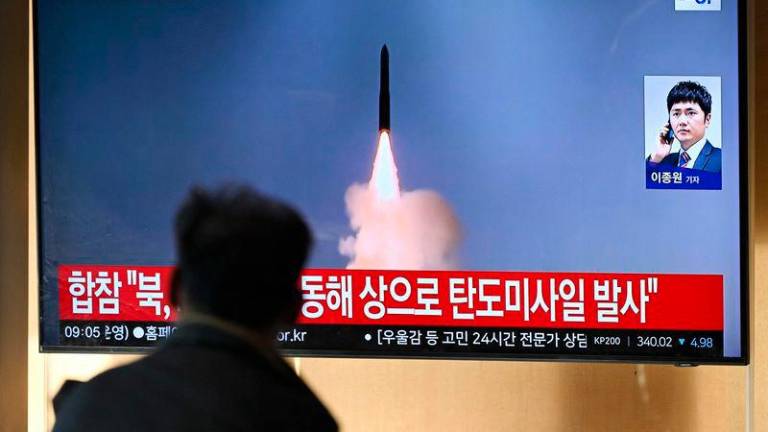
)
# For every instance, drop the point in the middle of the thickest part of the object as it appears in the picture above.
(384, 181)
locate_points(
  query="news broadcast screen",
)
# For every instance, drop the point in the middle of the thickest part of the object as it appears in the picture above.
(521, 180)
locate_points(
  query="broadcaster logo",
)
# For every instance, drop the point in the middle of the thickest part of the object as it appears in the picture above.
(697, 5)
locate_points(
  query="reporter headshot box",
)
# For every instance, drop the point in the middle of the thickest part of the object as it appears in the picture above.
(683, 140)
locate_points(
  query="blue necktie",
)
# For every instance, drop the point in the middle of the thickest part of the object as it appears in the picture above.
(684, 158)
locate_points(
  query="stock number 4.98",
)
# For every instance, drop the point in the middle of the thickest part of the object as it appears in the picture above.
(702, 342)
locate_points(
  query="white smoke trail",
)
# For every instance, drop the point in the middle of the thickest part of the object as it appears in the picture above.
(409, 230)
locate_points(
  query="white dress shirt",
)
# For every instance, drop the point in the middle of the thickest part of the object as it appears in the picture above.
(693, 151)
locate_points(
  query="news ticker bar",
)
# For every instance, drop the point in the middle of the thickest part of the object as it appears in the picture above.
(426, 341)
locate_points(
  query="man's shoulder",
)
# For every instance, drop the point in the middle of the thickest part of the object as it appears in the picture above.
(712, 158)
(115, 377)
(713, 151)
(110, 387)
(98, 402)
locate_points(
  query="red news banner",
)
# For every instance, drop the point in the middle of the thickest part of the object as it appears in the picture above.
(428, 298)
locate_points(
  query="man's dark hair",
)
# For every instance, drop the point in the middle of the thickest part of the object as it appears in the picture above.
(690, 91)
(239, 256)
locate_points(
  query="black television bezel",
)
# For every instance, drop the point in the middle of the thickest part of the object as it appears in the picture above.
(745, 249)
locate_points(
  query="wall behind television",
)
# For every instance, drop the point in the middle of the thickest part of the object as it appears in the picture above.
(13, 215)
(419, 395)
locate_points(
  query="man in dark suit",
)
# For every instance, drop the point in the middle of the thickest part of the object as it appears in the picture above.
(690, 112)
(239, 257)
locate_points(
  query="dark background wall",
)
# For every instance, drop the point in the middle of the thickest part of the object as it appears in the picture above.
(761, 117)
(13, 214)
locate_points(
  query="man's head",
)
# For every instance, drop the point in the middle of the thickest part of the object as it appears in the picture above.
(690, 110)
(239, 257)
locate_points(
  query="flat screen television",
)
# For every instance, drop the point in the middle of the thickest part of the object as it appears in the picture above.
(562, 180)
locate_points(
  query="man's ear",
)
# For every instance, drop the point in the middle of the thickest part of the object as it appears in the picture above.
(707, 119)
(175, 287)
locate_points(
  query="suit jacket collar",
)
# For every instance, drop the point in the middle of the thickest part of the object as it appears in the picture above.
(704, 155)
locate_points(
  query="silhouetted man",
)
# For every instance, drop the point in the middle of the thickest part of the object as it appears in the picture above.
(239, 257)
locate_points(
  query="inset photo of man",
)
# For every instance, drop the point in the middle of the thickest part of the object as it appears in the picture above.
(682, 132)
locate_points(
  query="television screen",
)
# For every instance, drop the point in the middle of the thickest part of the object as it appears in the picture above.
(522, 180)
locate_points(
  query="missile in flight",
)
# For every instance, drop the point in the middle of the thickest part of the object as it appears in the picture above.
(384, 91)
